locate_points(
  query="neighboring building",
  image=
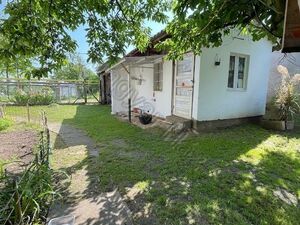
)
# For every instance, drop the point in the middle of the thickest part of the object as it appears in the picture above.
(224, 84)
(291, 61)
(67, 90)
(105, 84)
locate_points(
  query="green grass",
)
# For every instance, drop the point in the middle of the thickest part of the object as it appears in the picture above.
(223, 177)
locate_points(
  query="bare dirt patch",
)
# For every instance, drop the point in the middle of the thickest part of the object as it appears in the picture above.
(18, 146)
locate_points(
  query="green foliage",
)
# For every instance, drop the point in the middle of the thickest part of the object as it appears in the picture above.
(198, 24)
(26, 196)
(4, 124)
(38, 29)
(43, 97)
(12, 65)
(35, 193)
(287, 97)
(75, 69)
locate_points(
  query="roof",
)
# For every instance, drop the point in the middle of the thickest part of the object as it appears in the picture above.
(132, 55)
(136, 61)
(158, 37)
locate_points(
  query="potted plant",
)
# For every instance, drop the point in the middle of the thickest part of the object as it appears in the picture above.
(286, 102)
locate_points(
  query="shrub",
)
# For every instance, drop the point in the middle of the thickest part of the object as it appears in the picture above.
(287, 96)
(21, 98)
(4, 124)
(43, 97)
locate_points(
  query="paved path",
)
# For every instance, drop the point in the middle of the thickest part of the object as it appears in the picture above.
(87, 207)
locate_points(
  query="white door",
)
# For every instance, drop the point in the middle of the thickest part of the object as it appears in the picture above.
(183, 86)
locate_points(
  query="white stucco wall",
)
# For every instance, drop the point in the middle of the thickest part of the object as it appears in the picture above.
(163, 99)
(290, 61)
(119, 91)
(142, 94)
(215, 100)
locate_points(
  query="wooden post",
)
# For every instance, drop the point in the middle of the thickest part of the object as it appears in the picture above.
(47, 133)
(1, 111)
(28, 112)
(100, 90)
(85, 92)
(69, 93)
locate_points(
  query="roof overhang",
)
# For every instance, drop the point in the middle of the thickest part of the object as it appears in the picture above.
(136, 61)
(291, 36)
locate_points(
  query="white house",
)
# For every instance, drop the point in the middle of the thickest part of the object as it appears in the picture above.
(218, 88)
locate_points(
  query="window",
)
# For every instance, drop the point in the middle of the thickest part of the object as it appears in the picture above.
(158, 77)
(237, 75)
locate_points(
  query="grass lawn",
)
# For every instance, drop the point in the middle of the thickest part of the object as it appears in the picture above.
(241, 175)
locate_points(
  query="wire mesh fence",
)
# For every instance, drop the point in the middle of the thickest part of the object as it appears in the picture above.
(43, 92)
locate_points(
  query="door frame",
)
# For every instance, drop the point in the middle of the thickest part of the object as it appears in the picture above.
(174, 71)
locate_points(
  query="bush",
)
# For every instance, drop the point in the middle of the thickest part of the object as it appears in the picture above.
(4, 124)
(21, 98)
(43, 97)
(287, 96)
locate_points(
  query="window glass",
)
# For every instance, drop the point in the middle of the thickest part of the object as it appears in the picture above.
(158, 77)
(231, 72)
(237, 74)
(241, 72)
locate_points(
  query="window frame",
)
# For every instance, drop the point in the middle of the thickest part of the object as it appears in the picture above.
(158, 84)
(236, 69)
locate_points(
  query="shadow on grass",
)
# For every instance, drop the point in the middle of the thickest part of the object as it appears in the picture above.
(231, 176)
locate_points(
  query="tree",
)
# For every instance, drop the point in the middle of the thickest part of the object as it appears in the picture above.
(12, 65)
(38, 28)
(202, 23)
(75, 69)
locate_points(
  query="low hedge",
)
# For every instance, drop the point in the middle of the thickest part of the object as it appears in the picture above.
(43, 97)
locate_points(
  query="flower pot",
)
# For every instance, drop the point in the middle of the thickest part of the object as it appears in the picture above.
(277, 125)
(290, 125)
(145, 118)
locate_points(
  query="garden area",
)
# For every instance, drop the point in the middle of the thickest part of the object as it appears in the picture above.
(240, 175)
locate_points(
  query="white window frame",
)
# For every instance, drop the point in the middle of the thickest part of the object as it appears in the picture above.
(236, 68)
(158, 84)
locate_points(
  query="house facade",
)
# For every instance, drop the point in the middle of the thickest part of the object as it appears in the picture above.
(223, 83)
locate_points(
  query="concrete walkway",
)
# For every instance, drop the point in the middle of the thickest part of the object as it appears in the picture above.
(88, 207)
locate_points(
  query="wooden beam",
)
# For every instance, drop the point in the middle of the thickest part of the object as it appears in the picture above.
(291, 35)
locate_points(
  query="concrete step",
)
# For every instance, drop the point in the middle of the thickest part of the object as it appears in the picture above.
(178, 123)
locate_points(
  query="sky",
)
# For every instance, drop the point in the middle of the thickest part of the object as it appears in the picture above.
(79, 36)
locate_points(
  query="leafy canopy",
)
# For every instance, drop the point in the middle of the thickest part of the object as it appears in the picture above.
(202, 23)
(39, 28)
(75, 69)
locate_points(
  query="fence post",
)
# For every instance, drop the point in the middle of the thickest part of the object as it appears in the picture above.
(85, 92)
(28, 112)
(46, 132)
(1, 111)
